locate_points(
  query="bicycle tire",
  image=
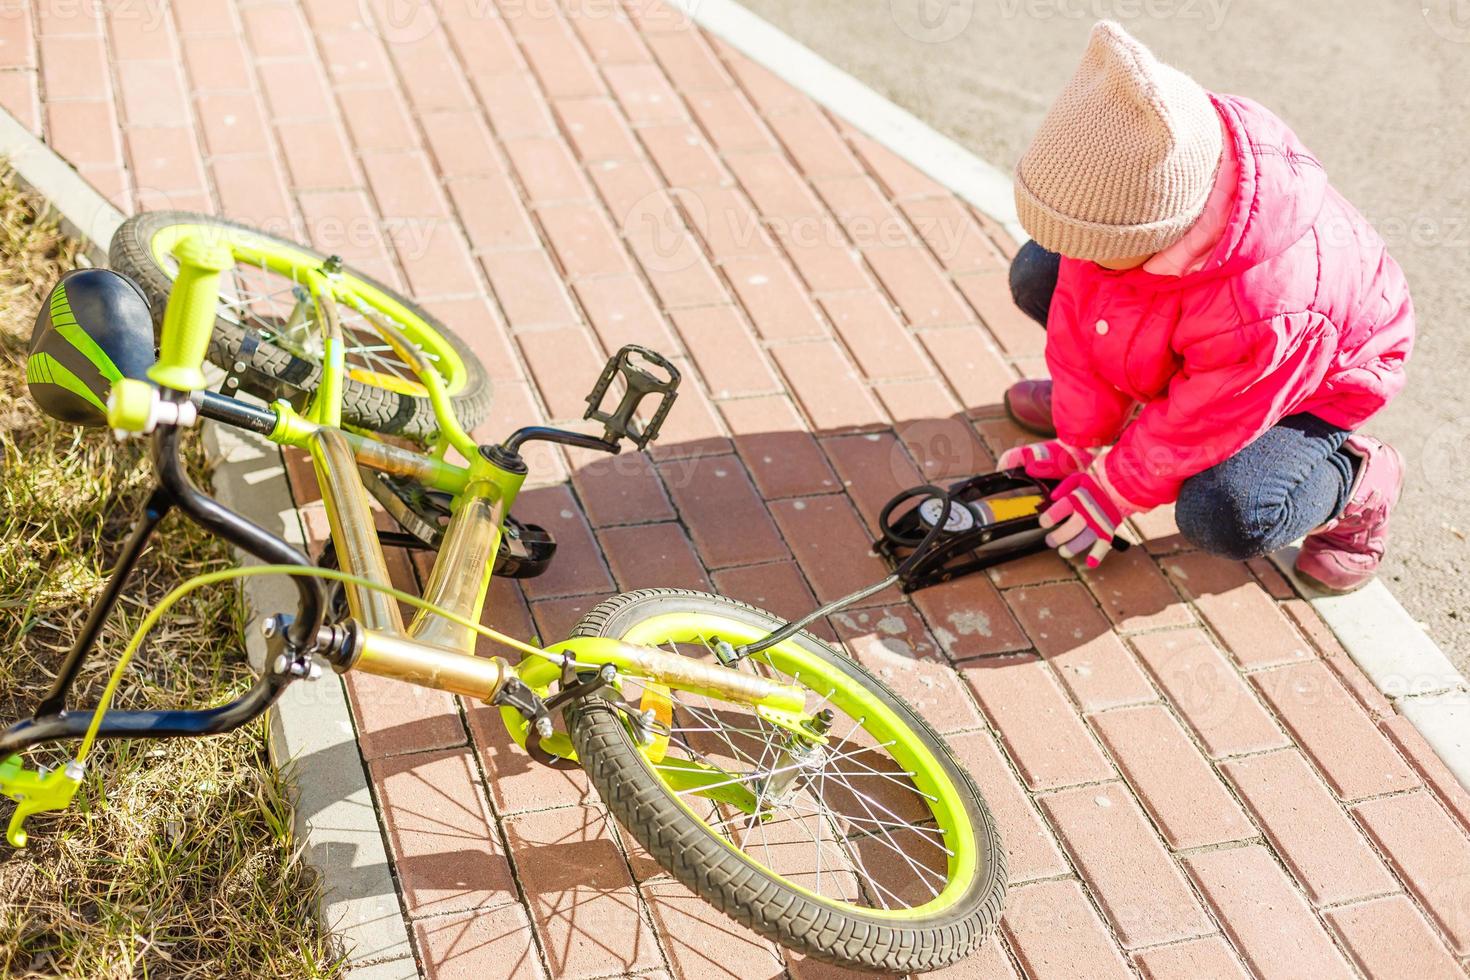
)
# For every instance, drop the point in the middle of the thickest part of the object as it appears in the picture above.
(740, 886)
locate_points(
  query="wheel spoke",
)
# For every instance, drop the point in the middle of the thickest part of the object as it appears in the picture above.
(262, 300)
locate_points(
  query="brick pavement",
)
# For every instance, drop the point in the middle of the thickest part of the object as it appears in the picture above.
(1192, 777)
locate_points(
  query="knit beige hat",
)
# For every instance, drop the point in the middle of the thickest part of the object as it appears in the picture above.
(1125, 158)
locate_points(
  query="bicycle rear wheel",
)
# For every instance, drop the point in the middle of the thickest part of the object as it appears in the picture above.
(266, 324)
(874, 850)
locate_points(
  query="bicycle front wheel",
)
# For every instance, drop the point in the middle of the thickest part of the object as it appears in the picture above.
(267, 328)
(873, 850)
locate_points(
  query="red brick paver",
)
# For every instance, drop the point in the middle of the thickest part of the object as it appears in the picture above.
(1173, 781)
(1307, 828)
(1209, 957)
(1430, 855)
(1388, 937)
(1191, 776)
(1139, 887)
(1262, 913)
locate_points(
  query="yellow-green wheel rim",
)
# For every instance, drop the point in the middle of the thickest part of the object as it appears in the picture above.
(294, 263)
(855, 699)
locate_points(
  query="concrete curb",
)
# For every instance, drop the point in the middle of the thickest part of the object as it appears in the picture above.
(1377, 632)
(312, 737)
(84, 213)
(1400, 659)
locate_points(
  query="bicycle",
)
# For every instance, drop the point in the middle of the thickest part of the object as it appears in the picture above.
(765, 770)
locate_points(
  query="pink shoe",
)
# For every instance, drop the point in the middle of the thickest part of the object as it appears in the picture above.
(1028, 403)
(1344, 554)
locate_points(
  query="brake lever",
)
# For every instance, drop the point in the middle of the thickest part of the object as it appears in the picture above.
(36, 791)
(621, 422)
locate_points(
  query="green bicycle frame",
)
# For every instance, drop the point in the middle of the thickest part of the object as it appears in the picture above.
(432, 650)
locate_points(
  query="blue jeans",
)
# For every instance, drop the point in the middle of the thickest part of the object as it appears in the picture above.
(1293, 479)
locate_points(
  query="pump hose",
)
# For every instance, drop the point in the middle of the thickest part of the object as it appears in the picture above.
(789, 630)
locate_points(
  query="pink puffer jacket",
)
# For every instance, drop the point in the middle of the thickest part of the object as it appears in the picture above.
(1298, 308)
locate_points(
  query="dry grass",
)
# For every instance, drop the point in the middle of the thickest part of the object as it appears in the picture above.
(177, 859)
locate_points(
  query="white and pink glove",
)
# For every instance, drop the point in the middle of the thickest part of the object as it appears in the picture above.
(1084, 515)
(1050, 460)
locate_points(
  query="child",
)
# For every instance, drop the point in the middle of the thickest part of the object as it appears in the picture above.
(1216, 314)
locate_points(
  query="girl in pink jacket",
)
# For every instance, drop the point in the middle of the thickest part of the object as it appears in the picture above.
(1219, 323)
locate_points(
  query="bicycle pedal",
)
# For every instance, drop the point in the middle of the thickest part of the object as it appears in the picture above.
(525, 551)
(638, 383)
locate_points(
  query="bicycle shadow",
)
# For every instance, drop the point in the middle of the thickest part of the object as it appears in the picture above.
(783, 518)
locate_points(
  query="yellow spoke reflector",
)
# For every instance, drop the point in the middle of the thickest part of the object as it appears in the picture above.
(388, 382)
(656, 698)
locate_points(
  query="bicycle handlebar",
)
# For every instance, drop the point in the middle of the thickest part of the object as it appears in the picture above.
(175, 490)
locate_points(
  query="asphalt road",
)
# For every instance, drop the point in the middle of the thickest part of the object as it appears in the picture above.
(1376, 88)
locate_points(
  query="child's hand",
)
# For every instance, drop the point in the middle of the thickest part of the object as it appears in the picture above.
(1050, 460)
(1084, 516)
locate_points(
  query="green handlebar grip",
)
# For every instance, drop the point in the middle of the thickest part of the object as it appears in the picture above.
(188, 320)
